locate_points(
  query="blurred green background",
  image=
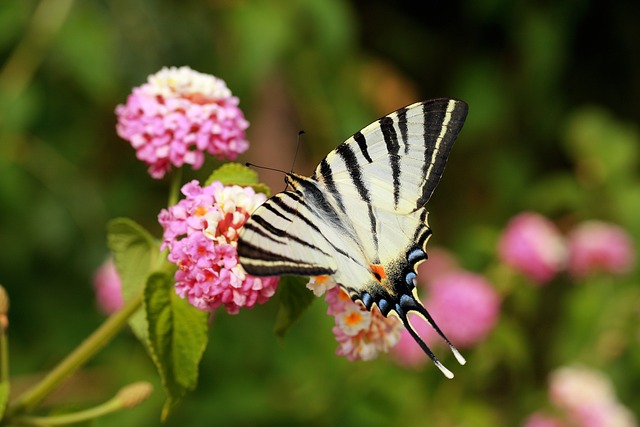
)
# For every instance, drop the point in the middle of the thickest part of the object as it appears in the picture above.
(554, 96)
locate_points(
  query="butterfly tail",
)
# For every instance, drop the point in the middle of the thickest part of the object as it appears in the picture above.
(408, 304)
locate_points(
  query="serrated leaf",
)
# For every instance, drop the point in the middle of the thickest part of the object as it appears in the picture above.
(237, 174)
(136, 255)
(177, 338)
(293, 300)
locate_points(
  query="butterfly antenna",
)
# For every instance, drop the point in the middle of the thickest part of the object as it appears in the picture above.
(295, 156)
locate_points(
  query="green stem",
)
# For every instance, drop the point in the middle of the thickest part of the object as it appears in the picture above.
(87, 349)
(74, 417)
(174, 190)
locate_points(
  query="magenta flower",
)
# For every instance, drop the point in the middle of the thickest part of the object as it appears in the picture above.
(596, 246)
(465, 306)
(533, 245)
(201, 232)
(108, 288)
(179, 115)
(361, 334)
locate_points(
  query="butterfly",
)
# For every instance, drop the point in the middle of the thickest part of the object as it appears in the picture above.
(361, 216)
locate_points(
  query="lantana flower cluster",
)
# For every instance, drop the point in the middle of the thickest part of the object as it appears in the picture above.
(582, 397)
(178, 116)
(201, 233)
(533, 245)
(361, 334)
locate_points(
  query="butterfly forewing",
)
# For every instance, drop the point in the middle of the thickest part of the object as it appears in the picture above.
(399, 159)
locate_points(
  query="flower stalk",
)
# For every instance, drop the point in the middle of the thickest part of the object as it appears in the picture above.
(85, 351)
(128, 397)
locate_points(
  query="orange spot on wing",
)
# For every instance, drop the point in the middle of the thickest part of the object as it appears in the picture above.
(378, 271)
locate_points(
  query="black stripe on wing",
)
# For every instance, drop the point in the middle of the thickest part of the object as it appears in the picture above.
(443, 120)
(350, 160)
(391, 140)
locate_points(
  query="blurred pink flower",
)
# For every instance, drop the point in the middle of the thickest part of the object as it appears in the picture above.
(466, 308)
(596, 246)
(440, 261)
(177, 116)
(201, 232)
(361, 334)
(533, 245)
(538, 419)
(588, 398)
(108, 287)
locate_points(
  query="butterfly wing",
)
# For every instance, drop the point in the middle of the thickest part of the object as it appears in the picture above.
(282, 236)
(396, 162)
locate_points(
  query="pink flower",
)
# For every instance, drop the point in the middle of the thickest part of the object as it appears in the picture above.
(179, 115)
(108, 288)
(361, 334)
(538, 419)
(596, 246)
(465, 306)
(533, 245)
(201, 232)
(588, 398)
(440, 262)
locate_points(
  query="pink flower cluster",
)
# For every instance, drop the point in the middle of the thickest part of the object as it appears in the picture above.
(108, 288)
(584, 398)
(201, 232)
(361, 334)
(179, 115)
(464, 304)
(532, 245)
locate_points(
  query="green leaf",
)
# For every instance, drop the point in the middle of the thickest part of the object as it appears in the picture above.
(237, 174)
(293, 298)
(136, 255)
(177, 338)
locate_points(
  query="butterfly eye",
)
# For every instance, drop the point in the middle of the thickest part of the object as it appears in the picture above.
(410, 278)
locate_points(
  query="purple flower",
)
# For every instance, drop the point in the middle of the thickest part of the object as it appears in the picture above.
(201, 233)
(596, 246)
(179, 115)
(108, 288)
(533, 245)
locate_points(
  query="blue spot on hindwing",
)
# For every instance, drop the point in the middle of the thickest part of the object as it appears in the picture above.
(416, 255)
(409, 278)
(384, 306)
(367, 300)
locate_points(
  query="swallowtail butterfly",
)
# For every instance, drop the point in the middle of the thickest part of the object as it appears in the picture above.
(361, 216)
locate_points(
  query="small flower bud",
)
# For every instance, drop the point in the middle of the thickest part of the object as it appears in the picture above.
(134, 394)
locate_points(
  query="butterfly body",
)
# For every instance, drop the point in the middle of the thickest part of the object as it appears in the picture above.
(361, 217)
